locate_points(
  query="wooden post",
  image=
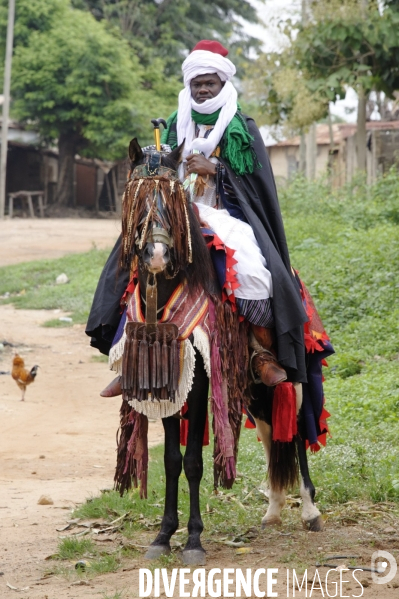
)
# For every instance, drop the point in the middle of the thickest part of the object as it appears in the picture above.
(311, 153)
(6, 105)
(361, 136)
(302, 154)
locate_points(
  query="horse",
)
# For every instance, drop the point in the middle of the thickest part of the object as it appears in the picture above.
(162, 267)
(165, 258)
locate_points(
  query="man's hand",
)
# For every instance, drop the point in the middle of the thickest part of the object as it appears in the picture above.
(197, 163)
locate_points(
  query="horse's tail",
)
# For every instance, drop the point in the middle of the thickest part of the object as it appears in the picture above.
(283, 465)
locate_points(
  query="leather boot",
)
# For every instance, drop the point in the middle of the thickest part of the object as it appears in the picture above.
(113, 389)
(263, 361)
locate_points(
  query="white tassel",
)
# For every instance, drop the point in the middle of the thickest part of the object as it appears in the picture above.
(201, 342)
(116, 353)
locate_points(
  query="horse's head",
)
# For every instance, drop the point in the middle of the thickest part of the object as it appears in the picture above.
(155, 219)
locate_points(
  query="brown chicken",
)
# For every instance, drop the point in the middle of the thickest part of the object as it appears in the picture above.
(21, 376)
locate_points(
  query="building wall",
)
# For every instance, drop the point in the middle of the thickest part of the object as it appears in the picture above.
(285, 161)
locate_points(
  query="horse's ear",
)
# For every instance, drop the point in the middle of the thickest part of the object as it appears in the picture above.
(135, 151)
(177, 154)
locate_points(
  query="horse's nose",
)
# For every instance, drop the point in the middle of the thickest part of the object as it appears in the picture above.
(156, 256)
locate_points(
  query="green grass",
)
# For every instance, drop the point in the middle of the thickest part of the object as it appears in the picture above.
(74, 548)
(32, 285)
(244, 500)
(99, 358)
(346, 246)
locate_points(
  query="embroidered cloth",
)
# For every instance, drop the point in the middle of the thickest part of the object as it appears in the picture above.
(190, 314)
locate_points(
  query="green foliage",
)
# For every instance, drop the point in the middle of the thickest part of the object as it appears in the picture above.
(340, 44)
(169, 30)
(77, 77)
(337, 48)
(345, 244)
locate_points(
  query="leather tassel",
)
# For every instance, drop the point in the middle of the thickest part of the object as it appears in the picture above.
(125, 365)
(173, 369)
(141, 369)
(158, 361)
(153, 370)
(134, 377)
(165, 363)
(144, 349)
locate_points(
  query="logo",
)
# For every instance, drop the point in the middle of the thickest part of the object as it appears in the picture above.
(379, 567)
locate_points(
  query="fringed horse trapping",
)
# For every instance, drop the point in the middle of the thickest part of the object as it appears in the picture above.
(175, 337)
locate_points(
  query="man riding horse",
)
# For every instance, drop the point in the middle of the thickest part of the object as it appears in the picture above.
(227, 170)
(218, 161)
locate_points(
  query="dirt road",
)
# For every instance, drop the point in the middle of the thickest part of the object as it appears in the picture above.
(59, 442)
(26, 239)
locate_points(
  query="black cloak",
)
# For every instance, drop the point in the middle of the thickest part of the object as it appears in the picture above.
(257, 196)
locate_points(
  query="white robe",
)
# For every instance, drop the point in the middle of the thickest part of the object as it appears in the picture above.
(252, 274)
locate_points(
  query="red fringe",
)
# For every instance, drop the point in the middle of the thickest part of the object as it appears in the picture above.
(284, 421)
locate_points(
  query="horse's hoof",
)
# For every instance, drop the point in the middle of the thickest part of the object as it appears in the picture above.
(194, 557)
(274, 521)
(155, 551)
(314, 525)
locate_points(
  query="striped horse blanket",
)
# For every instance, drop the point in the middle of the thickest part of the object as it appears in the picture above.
(191, 316)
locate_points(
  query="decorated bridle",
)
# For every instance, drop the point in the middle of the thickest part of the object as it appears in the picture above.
(154, 209)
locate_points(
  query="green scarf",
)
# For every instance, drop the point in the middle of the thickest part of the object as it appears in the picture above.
(235, 145)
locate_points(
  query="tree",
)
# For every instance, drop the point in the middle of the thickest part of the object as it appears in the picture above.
(345, 43)
(169, 29)
(78, 84)
(339, 49)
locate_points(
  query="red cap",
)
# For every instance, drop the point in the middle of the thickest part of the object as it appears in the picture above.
(211, 46)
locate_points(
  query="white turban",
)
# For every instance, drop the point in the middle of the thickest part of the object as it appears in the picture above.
(202, 62)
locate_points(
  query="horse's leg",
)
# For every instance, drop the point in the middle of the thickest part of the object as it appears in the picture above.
(193, 553)
(276, 496)
(173, 468)
(311, 516)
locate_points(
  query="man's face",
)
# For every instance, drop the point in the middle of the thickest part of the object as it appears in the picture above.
(205, 87)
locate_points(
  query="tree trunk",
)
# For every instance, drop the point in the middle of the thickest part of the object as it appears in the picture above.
(302, 155)
(311, 153)
(361, 137)
(331, 150)
(67, 147)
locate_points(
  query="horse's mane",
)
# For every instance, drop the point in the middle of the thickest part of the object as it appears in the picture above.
(190, 255)
(200, 273)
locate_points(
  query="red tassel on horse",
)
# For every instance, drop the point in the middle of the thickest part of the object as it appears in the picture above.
(284, 413)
